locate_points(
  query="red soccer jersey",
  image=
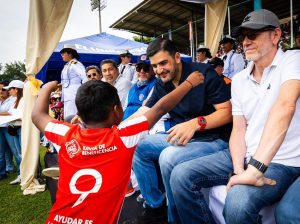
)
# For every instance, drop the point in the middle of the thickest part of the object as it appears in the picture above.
(95, 166)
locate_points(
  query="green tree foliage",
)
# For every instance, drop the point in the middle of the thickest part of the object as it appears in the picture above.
(12, 71)
(143, 39)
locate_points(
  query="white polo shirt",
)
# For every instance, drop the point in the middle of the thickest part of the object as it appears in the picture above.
(255, 100)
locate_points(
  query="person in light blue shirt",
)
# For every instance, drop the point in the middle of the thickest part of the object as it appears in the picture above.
(233, 61)
(142, 89)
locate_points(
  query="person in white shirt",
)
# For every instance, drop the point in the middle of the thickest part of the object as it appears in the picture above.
(264, 156)
(125, 67)
(72, 76)
(233, 61)
(15, 89)
(6, 162)
(203, 54)
(111, 75)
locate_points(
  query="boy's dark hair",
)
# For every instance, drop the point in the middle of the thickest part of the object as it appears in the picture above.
(94, 101)
(108, 61)
(161, 44)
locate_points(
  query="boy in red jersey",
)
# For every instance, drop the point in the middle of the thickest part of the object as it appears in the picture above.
(95, 162)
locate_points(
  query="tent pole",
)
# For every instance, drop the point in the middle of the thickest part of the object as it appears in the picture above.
(292, 27)
(100, 28)
(257, 5)
(228, 17)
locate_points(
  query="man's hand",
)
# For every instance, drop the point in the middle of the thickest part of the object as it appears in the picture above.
(251, 176)
(183, 132)
(195, 78)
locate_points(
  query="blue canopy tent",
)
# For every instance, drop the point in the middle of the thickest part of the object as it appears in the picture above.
(92, 50)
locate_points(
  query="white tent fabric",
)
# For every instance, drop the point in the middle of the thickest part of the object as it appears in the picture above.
(47, 19)
(215, 14)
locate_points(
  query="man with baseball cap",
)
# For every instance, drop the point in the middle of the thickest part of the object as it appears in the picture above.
(233, 61)
(264, 156)
(72, 76)
(126, 69)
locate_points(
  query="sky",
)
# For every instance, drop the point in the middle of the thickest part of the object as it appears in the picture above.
(81, 22)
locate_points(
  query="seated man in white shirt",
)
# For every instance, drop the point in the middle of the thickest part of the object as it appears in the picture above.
(111, 75)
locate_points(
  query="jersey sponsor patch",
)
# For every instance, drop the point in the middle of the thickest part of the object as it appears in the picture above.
(72, 148)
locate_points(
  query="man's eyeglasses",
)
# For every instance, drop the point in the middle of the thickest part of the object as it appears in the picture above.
(3, 89)
(145, 67)
(90, 75)
(253, 34)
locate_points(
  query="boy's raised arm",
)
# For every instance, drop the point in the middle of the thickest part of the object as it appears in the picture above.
(40, 113)
(169, 101)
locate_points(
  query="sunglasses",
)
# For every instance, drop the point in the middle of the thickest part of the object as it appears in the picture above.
(90, 75)
(252, 34)
(146, 68)
(3, 89)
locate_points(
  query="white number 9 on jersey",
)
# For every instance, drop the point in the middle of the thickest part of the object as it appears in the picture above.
(84, 194)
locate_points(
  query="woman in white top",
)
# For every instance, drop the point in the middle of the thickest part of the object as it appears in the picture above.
(203, 54)
(15, 89)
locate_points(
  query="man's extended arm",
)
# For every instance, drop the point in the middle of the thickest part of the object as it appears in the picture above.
(273, 134)
(169, 101)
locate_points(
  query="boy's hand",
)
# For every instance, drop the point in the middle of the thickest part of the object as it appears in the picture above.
(51, 85)
(76, 120)
(195, 78)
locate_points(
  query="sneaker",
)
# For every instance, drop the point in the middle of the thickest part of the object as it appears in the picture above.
(140, 199)
(16, 181)
(51, 172)
(150, 216)
(34, 188)
(129, 192)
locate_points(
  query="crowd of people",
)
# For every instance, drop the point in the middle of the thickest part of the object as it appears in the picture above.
(169, 128)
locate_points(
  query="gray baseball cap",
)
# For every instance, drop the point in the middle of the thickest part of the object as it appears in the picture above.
(257, 20)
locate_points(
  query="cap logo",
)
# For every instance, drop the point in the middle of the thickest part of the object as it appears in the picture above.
(247, 19)
(143, 57)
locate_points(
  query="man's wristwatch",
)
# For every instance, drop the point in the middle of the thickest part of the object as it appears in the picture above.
(258, 165)
(202, 122)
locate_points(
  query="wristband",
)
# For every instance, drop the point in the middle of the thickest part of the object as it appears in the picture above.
(190, 83)
(258, 165)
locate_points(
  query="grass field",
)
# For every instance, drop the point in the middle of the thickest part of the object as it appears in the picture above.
(15, 208)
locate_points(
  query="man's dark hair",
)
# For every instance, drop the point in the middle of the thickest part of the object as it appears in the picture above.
(161, 44)
(94, 101)
(93, 67)
(216, 62)
(108, 61)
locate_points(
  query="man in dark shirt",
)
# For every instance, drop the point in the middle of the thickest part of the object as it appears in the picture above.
(193, 129)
